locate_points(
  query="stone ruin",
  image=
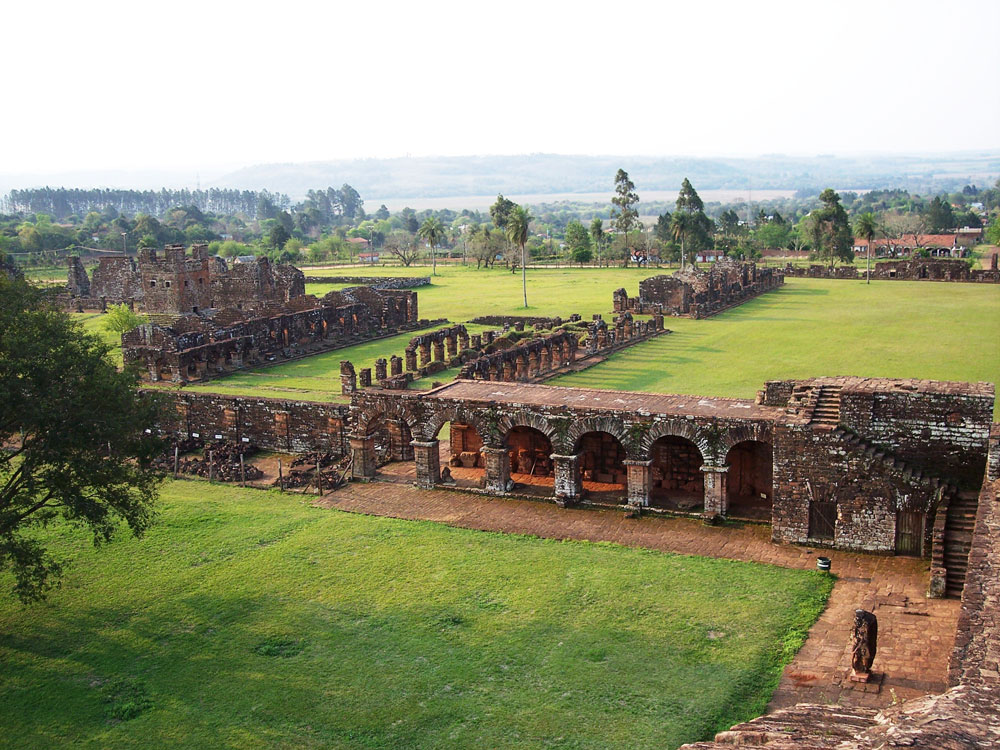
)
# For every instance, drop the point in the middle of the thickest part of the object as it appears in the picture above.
(911, 269)
(194, 347)
(177, 283)
(696, 293)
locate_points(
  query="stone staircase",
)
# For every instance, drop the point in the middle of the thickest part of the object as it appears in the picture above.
(801, 727)
(826, 406)
(960, 522)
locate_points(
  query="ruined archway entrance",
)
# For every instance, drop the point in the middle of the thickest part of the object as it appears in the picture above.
(530, 454)
(602, 466)
(749, 486)
(461, 452)
(677, 481)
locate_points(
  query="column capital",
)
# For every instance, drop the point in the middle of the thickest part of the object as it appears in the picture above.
(352, 436)
(493, 449)
(715, 469)
(423, 443)
(633, 462)
(561, 457)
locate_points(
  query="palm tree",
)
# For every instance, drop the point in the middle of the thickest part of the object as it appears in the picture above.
(517, 232)
(680, 228)
(597, 232)
(432, 230)
(866, 226)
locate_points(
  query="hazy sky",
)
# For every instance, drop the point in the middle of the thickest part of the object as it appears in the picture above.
(206, 85)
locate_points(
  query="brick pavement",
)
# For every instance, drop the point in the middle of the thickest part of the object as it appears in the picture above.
(916, 634)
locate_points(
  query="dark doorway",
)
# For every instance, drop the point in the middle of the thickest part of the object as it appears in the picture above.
(749, 486)
(909, 533)
(822, 520)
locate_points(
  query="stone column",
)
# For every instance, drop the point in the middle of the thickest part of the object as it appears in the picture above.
(716, 502)
(497, 469)
(400, 449)
(451, 344)
(463, 340)
(411, 360)
(395, 365)
(568, 480)
(508, 371)
(363, 456)
(439, 351)
(544, 360)
(366, 377)
(477, 341)
(533, 364)
(425, 353)
(640, 479)
(521, 371)
(380, 368)
(428, 461)
(487, 337)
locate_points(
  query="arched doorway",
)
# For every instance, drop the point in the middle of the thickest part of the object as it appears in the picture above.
(530, 454)
(749, 485)
(602, 465)
(677, 481)
(461, 451)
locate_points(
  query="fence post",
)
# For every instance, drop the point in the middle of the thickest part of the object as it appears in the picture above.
(281, 478)
(211, 467)
(176, 459)
(243, 473)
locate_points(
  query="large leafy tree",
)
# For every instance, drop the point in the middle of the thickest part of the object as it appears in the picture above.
(625, 216)
(695, 229)
(866, 225)
(939, 215)
(830, 230)
(578, 242)
(518, 222)
(75, 437)
(432, 230)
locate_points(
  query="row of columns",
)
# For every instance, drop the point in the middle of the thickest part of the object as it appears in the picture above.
(453, 342)
(568, 477)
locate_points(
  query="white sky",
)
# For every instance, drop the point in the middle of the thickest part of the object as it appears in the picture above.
(203, 85)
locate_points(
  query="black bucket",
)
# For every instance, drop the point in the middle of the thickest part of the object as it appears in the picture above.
(823, 563)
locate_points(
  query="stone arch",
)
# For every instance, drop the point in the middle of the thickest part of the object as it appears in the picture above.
(434, 421)
(381, 411)
(580, 427)
(524, 418)
(756, 432)
(682, 428)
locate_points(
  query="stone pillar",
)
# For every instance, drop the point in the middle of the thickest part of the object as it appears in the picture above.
(545, 360)
(366, 377)
(497, 469)
(380, 369)
(395, 365)
(451, 344)
(508, 371)
(532, 364)
(363, 456)
(568, 480)
(477, 341)
(463, 340)
(411, 360)
(428, 461)
(487, 337)
(439, 351)
(640, 479)
(521, 371)
(400, 448)
(425, 353)
(715, 490)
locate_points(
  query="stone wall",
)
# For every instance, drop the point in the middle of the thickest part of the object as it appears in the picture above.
(270, 424)
(911, 269)
(375, 282)
(195, 347)
(698, 293)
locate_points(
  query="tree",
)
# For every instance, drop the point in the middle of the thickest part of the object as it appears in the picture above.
(76, 438)
(578, 241)
(278, 236)
(597, 233)
(432, 230)
(867, 226)
(696, 229)
(400, 244)
(120, 319)
(661, 230)
(518, 222)
(830, 231)
(939, 215)
(625, 217)
(383, 213)
(681, 225)
(500, 212)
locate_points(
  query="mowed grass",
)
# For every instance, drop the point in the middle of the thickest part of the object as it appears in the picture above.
(814, 327)
(93, 322)
(317, 377)
(247, 619)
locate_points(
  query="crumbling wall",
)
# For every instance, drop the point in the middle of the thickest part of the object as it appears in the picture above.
(375, 282)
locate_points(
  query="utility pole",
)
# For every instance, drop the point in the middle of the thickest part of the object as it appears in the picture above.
(124, 246)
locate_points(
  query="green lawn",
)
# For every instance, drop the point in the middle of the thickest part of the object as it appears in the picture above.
(247, 619)
(93, 323)
(317, 378)
(816, 327)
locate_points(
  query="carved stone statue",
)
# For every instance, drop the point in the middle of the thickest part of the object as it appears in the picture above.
(864, 639)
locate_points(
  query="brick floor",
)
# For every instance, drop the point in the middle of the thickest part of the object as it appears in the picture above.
(916, 634)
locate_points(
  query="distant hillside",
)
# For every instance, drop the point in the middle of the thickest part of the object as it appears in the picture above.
(429, 177)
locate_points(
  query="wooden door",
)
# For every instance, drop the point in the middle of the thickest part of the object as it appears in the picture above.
(822, 520)
(909, 532)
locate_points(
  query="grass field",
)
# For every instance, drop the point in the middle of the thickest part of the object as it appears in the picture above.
(246, 619)
(92, 323)
(817, 327)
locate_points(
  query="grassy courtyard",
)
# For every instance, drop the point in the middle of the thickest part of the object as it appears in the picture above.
(248, 619)
(815, 327)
